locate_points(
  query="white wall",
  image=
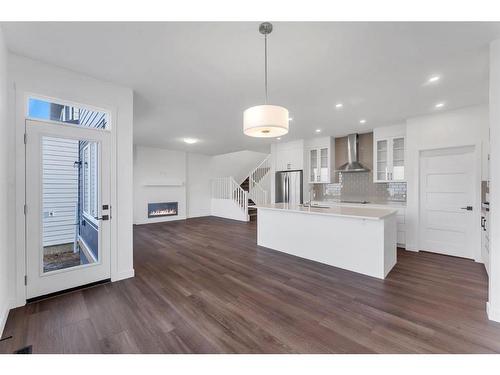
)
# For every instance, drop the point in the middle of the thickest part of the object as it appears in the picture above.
(467, 126)
(4, 140)
(30, 76)
(198, 185)
(153, 166)
(236, 164)
(494, 225)
(193, 171)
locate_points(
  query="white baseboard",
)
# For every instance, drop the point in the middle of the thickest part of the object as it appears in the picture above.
(410, 247)
(123, 275)
(202, 213)
(4, 313)
(493, 313)
(159, 220)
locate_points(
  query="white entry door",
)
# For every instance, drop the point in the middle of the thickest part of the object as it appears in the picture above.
(447, 196)
(67, 207)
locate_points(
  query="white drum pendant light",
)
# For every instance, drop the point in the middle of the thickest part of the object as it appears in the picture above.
(265, 121)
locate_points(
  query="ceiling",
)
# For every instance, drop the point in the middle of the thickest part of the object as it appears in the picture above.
(196, 79)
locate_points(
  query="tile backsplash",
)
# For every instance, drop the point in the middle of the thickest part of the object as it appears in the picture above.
(360, 186)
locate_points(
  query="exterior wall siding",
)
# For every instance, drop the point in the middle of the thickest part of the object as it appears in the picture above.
(60, 190)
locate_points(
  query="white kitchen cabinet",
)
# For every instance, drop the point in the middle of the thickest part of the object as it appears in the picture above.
(289, 156)
(320, 157)
(389, 154)
(400, 215)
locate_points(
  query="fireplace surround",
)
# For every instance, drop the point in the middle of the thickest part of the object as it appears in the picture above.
(162, 209)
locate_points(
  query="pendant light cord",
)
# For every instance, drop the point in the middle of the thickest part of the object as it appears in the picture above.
(265, 66)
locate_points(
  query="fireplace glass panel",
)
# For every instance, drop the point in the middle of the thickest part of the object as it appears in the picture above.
(162, 209)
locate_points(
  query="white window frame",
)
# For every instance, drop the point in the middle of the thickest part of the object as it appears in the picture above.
(87, 185)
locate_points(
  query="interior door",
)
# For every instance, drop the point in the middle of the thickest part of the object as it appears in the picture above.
(447, 199)
(67, 200)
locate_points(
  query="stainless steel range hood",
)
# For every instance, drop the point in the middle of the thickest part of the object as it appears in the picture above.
(352, 165)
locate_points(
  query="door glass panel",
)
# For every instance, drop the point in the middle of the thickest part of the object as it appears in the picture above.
(314, 165)
(381, 160)
(70, 202)
(324, 164)
(398, 158)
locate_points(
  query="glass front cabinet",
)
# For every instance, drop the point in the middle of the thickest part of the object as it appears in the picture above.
(389, 159)
(319, 165)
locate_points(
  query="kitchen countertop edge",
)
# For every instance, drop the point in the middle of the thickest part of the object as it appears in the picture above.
(334, 211)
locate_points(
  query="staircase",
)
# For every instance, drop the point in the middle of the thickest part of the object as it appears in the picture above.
(252, 211)
(257, 184)
(237, 201)
(229, 200)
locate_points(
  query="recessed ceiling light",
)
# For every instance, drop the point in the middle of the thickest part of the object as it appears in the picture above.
(279, 138)
(318, 130)
(363, 121)
(339, 105)
(434, 79)
(190, 141)
(439, 105)
(290, 118)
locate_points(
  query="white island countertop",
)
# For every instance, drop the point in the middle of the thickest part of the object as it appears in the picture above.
(368, 213)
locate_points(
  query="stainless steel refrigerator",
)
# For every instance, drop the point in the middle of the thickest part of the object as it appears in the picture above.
(289, 187)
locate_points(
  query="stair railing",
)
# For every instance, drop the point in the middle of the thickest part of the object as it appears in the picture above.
(258, 178)
(228, 188)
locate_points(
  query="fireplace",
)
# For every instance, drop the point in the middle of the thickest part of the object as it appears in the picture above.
(162, 209)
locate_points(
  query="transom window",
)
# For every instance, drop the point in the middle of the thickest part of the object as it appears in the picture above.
(42, 109)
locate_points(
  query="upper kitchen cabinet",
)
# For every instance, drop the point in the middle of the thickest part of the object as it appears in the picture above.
(320, 156)
(289, 155)
(389, 153)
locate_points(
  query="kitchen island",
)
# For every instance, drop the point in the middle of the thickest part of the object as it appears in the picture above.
(357, 239)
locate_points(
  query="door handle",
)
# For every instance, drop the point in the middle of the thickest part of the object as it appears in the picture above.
(103, 217)
(468, 208)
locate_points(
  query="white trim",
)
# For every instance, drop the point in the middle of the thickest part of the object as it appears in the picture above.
(122, 275)
(493, 312)
(477, 193)
(4, 314)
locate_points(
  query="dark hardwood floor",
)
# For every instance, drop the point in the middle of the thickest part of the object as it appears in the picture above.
(204, 286)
